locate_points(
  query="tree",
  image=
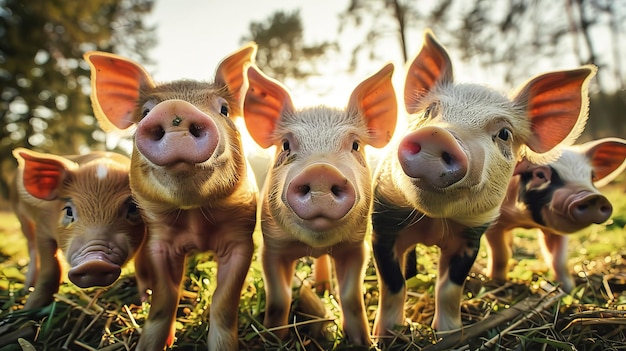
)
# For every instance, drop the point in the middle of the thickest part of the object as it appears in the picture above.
(44, 81)
(282, 53)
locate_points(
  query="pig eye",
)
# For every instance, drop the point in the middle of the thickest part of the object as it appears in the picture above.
(286, 145)
(504, 134)
(68, 215)
(144, 113)
(224, 110)
(133, 214)
(430, 110)
(356, 146)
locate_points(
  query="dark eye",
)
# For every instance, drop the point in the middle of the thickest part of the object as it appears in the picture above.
(504, 134)
(133, 213)
(356, 146)
(286, 145)
(145, 112)
(430, 110)
(224, 110)
(68, 211)
(68, 214)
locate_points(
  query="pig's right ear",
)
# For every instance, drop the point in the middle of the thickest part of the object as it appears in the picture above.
(430, 67)
(115, 86)
(230, 71)
(608, 159)
(264, 103)
(43, 174)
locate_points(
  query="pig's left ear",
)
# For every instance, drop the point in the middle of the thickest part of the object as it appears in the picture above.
(608, 159)
(43, 173)
(375, 99)
(231, 71)
(264, 103)
(115, 85)
(556, 104)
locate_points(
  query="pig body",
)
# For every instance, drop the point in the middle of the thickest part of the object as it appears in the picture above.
(191, 181)
(557, 199)
(317, 195)
(81, 205)
(444, 181)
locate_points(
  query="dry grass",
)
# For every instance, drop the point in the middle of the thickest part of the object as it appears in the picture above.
(526, 313)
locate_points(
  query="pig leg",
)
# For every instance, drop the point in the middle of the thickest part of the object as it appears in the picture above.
(350, 270)
(142, 272)
(455, 264)
(49, 273)
(554, 251)
(500, 251)
(158, 330)
(28, 228)
(322, 274)
(277, 275)
(232, 270)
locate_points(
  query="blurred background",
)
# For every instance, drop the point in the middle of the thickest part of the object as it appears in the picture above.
(319, 49)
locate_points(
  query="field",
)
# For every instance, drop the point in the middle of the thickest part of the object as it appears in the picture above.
(526, 313)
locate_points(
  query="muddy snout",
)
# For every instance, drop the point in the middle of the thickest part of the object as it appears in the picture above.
(321, 192)
(176, 131)
(433, 154)
(588, 207)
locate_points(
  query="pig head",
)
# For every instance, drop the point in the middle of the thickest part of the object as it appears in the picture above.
(81, 205)
(190, 178)
(445, 179)
(317, 195)
(558, 198)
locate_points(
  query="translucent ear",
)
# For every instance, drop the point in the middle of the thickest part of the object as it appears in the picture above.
(115, 85)
(557, 105)
(265, 101)
(376, 100)
(430, 67)
(43, 173)
(230, 72)
(607, 157)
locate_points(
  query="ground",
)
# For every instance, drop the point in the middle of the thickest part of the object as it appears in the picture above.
(526, 313)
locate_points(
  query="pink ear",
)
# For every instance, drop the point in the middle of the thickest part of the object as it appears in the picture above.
(230, 72)
(264, 103)
(43, 174)
(431, 66)
(557, 105)
(607, 158)
(115, 86)
(375, 98)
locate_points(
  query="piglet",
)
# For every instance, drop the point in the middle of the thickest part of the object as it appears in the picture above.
(190, 179)
(445, 179)
(82, 205)
(317, 195)
(559, 198)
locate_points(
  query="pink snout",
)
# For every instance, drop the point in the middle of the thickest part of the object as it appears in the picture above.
(587, 208)
(95, 272)
(321, 194)
(176, 131)
(433, 154)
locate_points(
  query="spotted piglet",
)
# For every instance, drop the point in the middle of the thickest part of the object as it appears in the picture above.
(83, 206)
(190, 179)
(444, 181)
(558, 198)
(317, 195)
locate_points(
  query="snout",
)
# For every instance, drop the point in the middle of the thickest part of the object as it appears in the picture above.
(176, 131)
(433, 155)
(94, 272)
(320, 194)
(587, 208)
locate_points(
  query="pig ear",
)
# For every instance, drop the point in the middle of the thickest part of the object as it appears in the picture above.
(608, 159)
(430, 67)
(557, 104)
(375, 98)
(43, 173)
(115, 86)
(265, 101)
(230, 72)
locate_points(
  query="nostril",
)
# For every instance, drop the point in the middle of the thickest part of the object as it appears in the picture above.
(156, 133)
(304, 189)
(195, 130)
(447, 158)
(336, 190)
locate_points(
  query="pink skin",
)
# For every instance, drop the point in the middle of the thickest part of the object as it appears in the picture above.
(176, 131)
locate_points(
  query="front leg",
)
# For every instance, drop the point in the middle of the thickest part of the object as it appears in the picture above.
(49, 275)
(455, 263)
(554, 251)
(499, 251)
(350, 270)
(159, 329)
(233, 267)
(278, 272)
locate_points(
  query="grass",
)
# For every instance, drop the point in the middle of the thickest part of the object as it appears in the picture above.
(526, 313)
